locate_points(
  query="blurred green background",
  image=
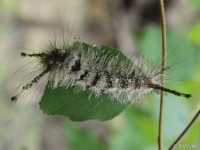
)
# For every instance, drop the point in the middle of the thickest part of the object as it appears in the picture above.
(130, 25)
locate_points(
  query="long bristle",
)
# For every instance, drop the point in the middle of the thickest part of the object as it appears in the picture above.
(14, 98)
(23, 54)
(32, 55)
(29, 85)
(159, 87)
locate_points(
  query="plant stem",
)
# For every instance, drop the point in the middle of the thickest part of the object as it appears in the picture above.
(186, 129)
(164, 51)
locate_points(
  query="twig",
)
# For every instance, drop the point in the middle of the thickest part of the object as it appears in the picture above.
(186, 129)
(164, 51)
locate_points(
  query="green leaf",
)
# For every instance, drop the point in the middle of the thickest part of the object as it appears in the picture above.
(81, 106)
(78, 106)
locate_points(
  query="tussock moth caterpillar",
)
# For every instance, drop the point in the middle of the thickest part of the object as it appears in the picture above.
(97, 69)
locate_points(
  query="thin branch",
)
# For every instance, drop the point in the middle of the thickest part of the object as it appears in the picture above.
(186, 129)
(164, 51)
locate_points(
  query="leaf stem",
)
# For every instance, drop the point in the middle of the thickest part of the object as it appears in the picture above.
(164, 51)
(186, 129)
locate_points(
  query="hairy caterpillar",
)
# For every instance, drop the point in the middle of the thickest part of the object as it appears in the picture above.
(86, 66)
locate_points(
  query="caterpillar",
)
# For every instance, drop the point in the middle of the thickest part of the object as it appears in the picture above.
(95, 68)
